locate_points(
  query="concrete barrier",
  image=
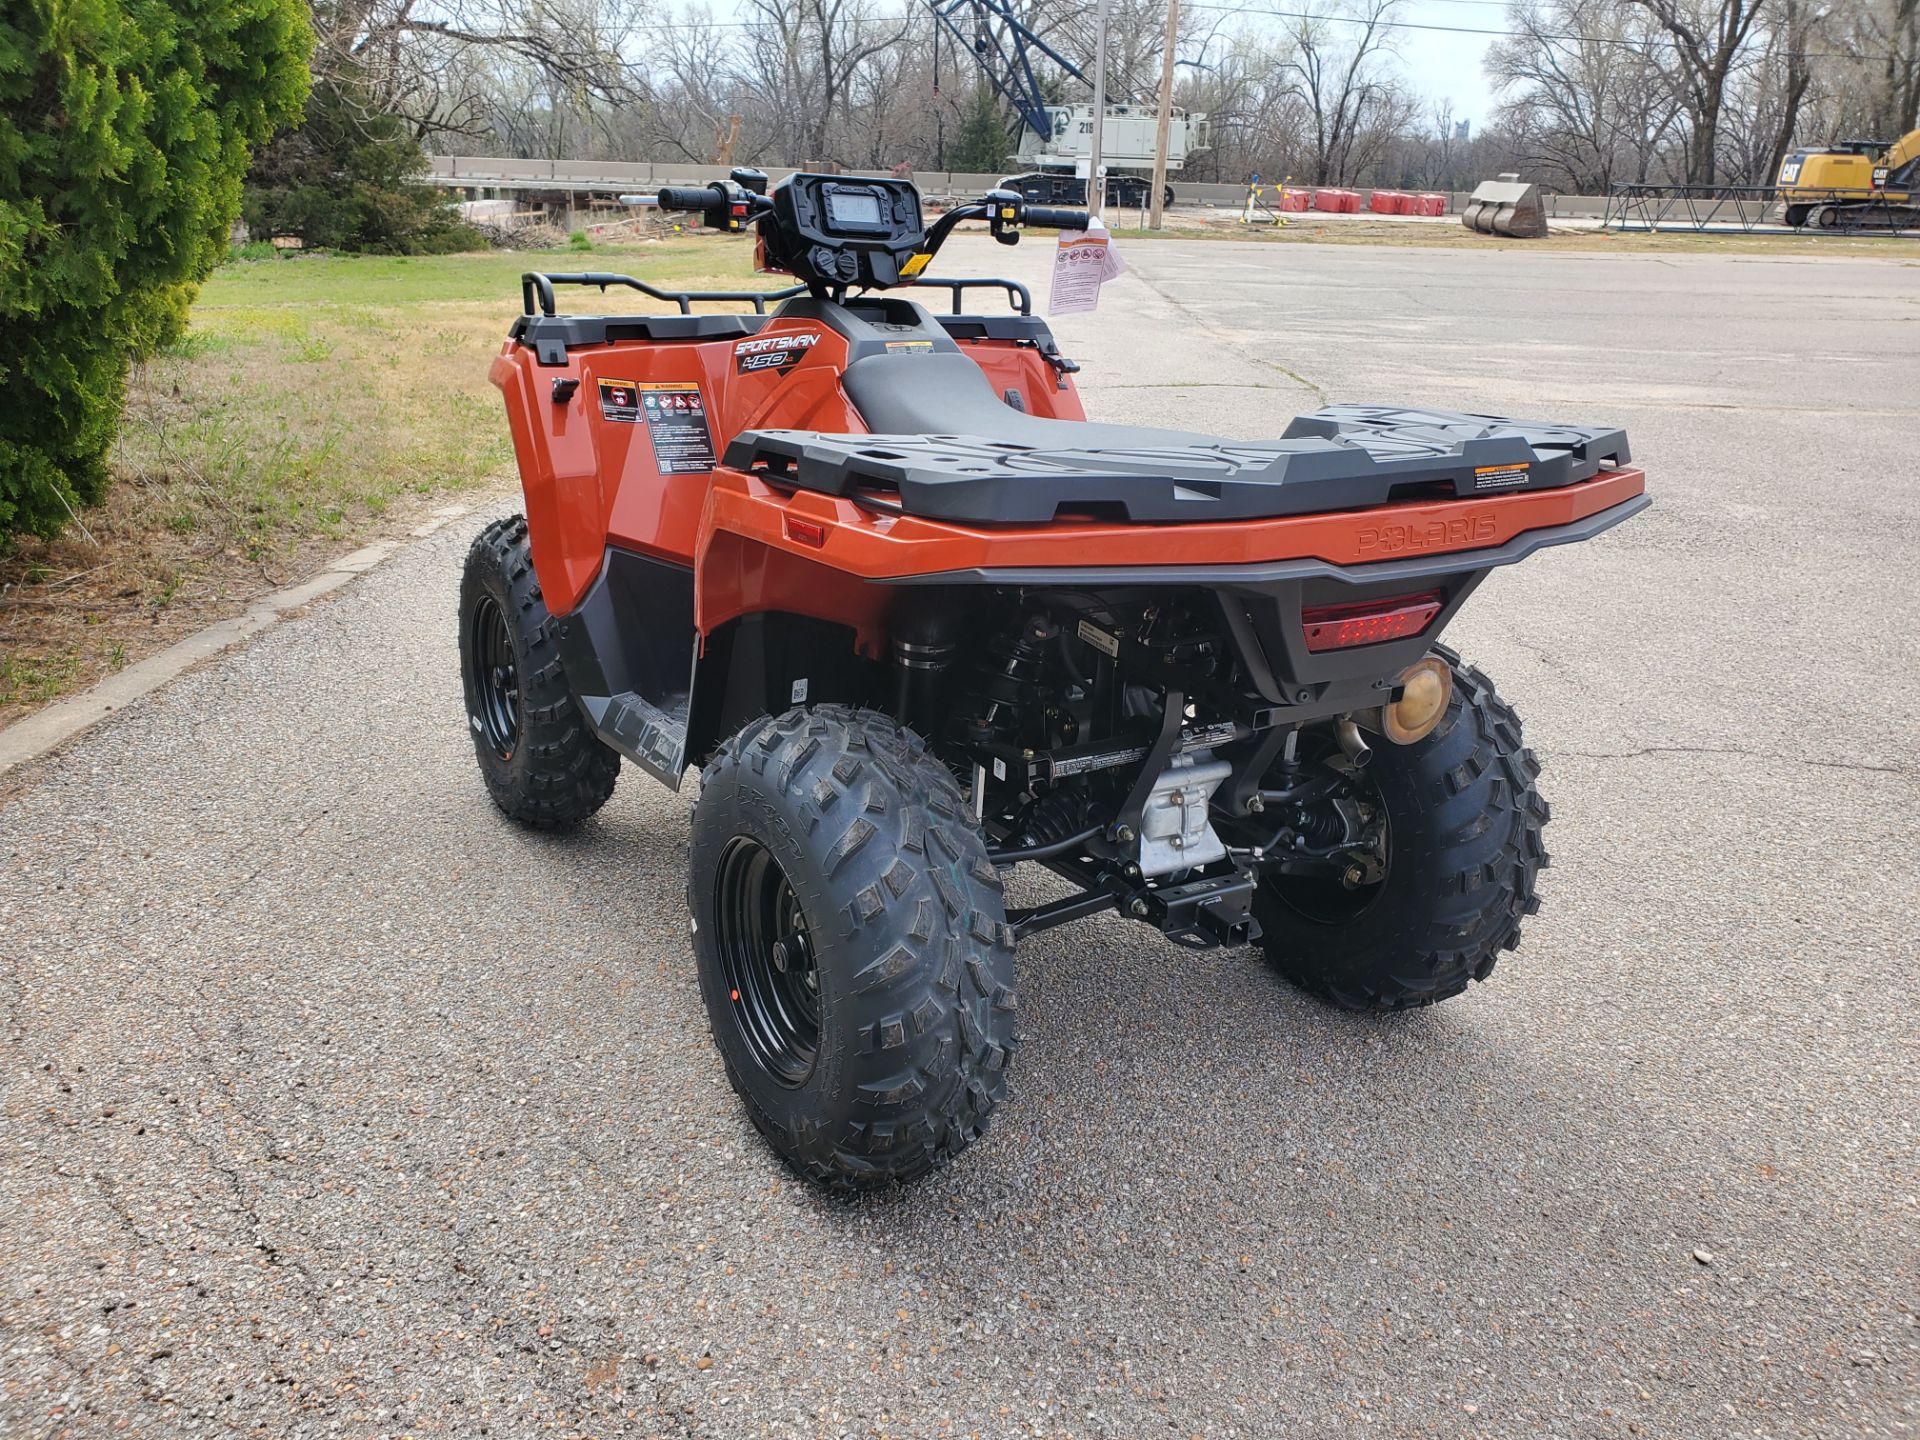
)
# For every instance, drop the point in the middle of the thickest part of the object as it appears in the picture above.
(612, 177)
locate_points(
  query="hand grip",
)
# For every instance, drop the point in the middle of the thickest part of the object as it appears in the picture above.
(688, 197)
(1053, 217)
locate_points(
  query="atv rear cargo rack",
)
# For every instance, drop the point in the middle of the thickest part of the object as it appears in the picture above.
(1344, 457)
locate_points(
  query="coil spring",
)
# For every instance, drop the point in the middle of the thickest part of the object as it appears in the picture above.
(1054, 816)
(1008, 682)
(1320, 826)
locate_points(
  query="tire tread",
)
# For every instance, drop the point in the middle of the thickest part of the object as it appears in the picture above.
(566, 773)
(934, 1008)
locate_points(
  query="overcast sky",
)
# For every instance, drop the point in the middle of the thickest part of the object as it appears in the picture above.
(1447, 66)
(1440, 64)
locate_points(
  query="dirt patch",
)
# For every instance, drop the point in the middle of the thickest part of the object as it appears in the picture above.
(78, 608)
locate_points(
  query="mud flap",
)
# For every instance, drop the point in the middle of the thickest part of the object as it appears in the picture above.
(630, 653)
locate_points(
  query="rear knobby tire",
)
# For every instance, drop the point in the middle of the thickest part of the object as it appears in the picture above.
(541, 763)
(1464, 836)
(910, 952)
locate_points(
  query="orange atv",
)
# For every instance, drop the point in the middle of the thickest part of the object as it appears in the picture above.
(921, 622)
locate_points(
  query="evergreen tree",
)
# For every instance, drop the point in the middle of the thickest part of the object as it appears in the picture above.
(981, 146)
(125, 129)
(349, 179)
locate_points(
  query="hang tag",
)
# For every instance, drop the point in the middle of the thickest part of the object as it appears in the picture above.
(1083, 261)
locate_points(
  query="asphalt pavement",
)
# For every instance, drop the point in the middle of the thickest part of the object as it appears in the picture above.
(335, 1105)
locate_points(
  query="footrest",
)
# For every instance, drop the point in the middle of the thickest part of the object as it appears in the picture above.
(644, 733)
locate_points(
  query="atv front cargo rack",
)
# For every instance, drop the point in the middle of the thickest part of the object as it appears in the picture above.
(1343, 457)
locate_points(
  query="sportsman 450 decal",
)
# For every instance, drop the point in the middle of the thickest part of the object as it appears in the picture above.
(773, 352)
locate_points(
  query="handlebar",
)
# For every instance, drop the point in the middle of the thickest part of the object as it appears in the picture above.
(688, 197)
(1053, 217)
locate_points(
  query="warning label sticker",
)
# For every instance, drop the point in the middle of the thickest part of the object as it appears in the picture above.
(1500, 477)
(620, 400)
(677, 422)
(676, 419)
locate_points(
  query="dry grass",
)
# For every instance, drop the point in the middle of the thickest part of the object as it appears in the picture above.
(1450, 234)
(316, 403)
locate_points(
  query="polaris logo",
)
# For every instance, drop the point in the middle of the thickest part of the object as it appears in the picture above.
(1452, 534)
(773, 352)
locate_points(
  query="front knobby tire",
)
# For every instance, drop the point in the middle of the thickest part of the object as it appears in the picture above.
(541, 763)
(852, 945)
(1464, 820)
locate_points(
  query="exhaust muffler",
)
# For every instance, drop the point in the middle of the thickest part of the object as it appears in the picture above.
(1424, 690)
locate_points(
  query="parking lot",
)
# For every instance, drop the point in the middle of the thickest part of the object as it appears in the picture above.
(335, 1105)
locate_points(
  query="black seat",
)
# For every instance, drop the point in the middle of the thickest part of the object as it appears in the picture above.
(950, 395)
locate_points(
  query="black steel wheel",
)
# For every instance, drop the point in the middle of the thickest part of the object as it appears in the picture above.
(542, 765)
(772, 980)
(1457, 859)
(853, 948)
(496, 676)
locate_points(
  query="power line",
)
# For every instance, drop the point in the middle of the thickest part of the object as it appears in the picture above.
(1565, 37)
(1575, 38)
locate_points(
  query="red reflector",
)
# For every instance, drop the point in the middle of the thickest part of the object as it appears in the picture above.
(807, 532)
(1339, 627)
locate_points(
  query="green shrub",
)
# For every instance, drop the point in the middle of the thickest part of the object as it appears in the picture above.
(579, 240)
(348, 179)
(125, 128)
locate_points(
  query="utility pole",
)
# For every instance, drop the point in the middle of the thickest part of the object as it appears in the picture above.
(1096, 182)
(1155, 217)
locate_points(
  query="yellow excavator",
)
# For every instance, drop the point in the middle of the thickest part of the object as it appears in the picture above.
(1853, 183)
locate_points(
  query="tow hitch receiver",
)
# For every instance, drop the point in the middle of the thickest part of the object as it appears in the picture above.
(1202, 913)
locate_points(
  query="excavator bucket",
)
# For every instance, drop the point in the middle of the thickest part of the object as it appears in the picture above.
(1506, 206)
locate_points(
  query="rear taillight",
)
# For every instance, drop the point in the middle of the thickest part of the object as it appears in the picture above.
(1341, 627)
(807, 532)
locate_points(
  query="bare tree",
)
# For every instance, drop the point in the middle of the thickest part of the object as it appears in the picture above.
(439, 63)
(1352, 95)
(813, 51)
(1883, 37)
(1709, 38)
(1588, 99)
(1789, 65)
